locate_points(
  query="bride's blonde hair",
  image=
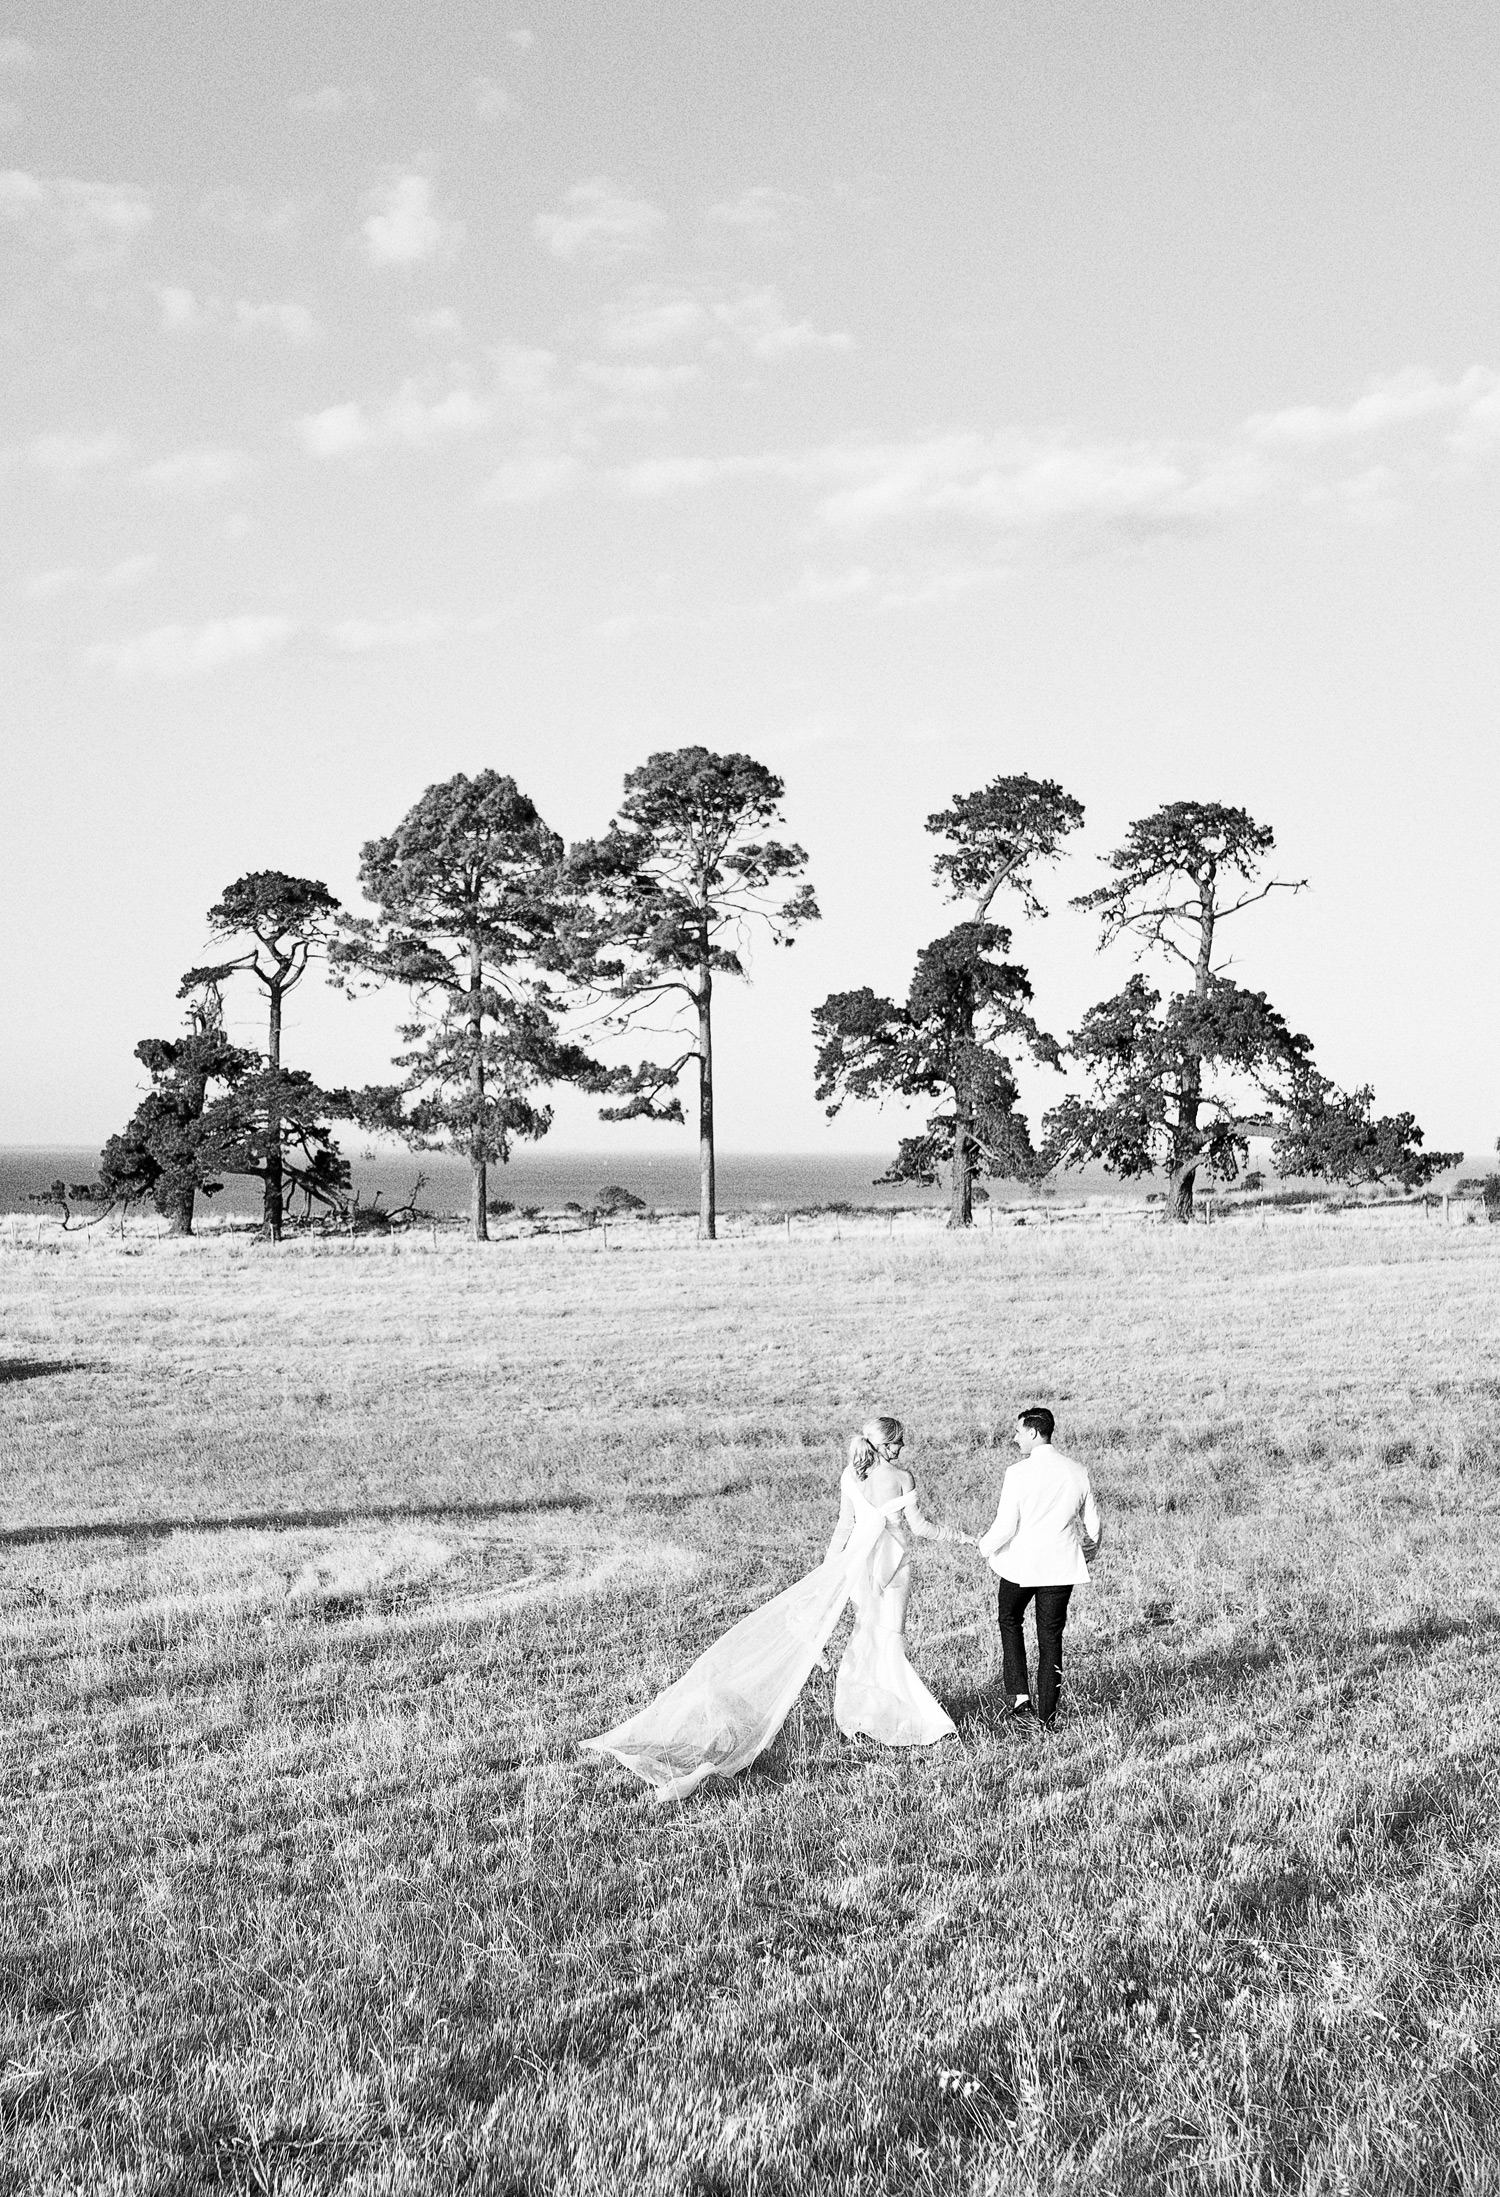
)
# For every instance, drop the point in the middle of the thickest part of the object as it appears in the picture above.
(872, 1437)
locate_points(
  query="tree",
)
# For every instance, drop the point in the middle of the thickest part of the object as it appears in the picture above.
(998, 834)
(1180, 1082)
(288, 920)
(167, 1151)
(945, 1043)
(272, 1122)
(667, 897)
(1335, 1134)
(467, 894)
(963, 1005)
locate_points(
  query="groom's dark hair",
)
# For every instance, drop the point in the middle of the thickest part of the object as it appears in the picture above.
(1039, 1418)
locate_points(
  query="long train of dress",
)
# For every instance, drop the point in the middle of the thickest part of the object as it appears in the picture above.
(729, 1706)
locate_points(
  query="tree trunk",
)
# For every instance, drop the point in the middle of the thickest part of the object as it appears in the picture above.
(961, 1188)
(1180, 1196)
(1186, 1159)
(273, 1205)
(478, 1152)
(180, 1219)
(707, 1208)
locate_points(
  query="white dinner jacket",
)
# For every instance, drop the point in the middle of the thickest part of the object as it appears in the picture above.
(1047, 1508)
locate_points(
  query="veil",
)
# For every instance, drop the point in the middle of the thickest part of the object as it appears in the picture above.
(729, 1705)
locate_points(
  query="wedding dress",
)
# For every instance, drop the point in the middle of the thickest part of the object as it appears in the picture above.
(729, 1706)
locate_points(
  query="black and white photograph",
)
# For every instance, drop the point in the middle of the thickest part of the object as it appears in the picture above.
(750, 1098)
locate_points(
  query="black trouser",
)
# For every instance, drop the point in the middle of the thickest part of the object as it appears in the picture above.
(1051, 1616)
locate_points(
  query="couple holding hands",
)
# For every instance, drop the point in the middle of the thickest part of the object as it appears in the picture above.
(731, 1703)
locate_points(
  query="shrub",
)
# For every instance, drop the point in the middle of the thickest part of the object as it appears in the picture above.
(614, 1199)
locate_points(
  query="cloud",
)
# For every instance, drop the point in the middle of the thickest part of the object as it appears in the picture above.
(17, 58)
(359, 636)
(10, 115)
(278, 317)
(525, 372)
(1007, 483)
(180, 310)
(242, 215)
(834, 587)
(523, 39)
(412, 417)
(183, 652)
(636, 390)
(96, 221)
(1403, 400)
(486, 97)
(672, 476)
(130, 571)
(43, 586)
(196, 472)
(67, 456)
(759, 212)
(335, 99)
(404, 229)
(945, 585)
(649, 321)
(336, 431)
(443, 322)
(530, 480)
(184, 314)
(1364, 459)
(599, 221)
(758, 319)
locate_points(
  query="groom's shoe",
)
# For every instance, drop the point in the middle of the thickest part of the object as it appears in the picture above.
(1022, 1709)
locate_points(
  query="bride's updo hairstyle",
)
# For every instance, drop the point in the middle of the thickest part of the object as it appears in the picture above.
(866, 1446)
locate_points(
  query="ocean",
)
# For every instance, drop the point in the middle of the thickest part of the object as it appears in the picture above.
(745, 1180)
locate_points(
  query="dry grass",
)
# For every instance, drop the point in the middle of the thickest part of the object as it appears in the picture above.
(317, 1565)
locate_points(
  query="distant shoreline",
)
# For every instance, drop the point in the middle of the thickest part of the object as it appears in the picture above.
(538, 1181)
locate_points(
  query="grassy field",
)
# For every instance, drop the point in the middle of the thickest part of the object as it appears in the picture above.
(316, 1565)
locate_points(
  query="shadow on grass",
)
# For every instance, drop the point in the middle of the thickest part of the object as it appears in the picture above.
(364, 1514)
(1128, 1675)
(37, 1369)
(160, 1529)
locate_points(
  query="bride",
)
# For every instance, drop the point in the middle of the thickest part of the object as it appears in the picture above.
(733, 1701)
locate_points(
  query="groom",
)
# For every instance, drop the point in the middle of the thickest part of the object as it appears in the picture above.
(1047, 1524)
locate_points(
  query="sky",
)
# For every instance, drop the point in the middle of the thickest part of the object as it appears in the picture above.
(904, 396)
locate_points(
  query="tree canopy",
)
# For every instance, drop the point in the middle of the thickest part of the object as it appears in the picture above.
(947, 1043)
(665, 901)
(286, 921)
(998, 834)
(1179, 1081)
(1336, 1134)
(950, 1042)
(468, 911)
(168, 1151)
